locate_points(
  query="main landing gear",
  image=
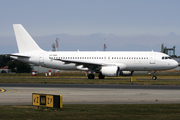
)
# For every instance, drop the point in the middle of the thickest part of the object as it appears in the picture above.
(154, 75)
(101, 76)
(91, 76)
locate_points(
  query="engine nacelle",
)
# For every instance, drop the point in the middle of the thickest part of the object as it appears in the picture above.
(126, 73)
(81, 67)
(111, 71)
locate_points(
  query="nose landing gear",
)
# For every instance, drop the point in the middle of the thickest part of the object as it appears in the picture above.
(154, 75)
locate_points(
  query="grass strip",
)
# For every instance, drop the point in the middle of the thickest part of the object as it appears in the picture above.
(94, 112)
(166, 78)
(141, 80)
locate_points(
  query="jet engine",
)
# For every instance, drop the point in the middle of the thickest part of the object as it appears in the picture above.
(126, 73)
(111, 71)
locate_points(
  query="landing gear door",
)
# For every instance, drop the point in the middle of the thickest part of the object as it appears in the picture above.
(41, 58)
(152, 58)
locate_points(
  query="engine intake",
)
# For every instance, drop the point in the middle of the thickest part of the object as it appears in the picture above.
(111, 71)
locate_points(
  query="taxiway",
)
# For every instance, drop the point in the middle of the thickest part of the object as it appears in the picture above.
(21, 93)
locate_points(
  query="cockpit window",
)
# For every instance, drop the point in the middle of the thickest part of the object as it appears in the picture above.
(165, 57)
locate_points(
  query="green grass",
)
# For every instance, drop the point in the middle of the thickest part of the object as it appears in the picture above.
(80, 78)
(141, 80)
(94, 112)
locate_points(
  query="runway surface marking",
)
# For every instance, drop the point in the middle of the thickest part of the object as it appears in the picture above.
(2, 90)
(32, 91)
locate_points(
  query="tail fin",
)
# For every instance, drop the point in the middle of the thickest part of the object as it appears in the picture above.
(24, 41)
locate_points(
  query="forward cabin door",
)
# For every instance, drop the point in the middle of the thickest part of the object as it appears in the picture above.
(152, 58)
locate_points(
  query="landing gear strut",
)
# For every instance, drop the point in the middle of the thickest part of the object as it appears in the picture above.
(91, 76)
(154, 75)
(101, 76)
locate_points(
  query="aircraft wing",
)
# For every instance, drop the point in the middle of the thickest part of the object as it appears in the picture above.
(85, 64)
(79, 62)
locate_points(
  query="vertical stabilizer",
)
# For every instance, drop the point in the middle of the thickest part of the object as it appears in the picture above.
(24, 41)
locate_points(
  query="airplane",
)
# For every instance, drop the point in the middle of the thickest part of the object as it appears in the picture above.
(106, 63)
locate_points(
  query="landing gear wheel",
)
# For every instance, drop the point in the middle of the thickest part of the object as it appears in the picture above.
(91, 76)
(101, 76)
(154, 77)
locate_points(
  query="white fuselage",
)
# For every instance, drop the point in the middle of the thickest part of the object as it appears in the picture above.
(127, 61)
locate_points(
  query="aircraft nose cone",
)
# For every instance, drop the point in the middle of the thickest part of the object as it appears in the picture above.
(175, 64)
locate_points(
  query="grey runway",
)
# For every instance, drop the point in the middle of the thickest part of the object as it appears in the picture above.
(21, 93)
(106, 86)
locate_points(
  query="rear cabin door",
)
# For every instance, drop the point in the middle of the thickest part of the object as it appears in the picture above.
(41, 58)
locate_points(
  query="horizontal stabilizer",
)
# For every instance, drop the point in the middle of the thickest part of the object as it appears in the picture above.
(19, 55)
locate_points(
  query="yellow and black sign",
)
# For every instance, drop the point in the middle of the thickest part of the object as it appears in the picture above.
(47, 100)
(2, 90)
(38, 99)
(133, 79)
(42, 100)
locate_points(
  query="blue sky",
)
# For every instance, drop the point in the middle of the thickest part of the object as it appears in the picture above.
(84, 24)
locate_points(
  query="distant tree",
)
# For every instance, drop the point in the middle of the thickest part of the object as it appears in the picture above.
(11, 65)
(3, 71)
(23, 67)
(5, 58)
(2, 64)
(1, 57)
